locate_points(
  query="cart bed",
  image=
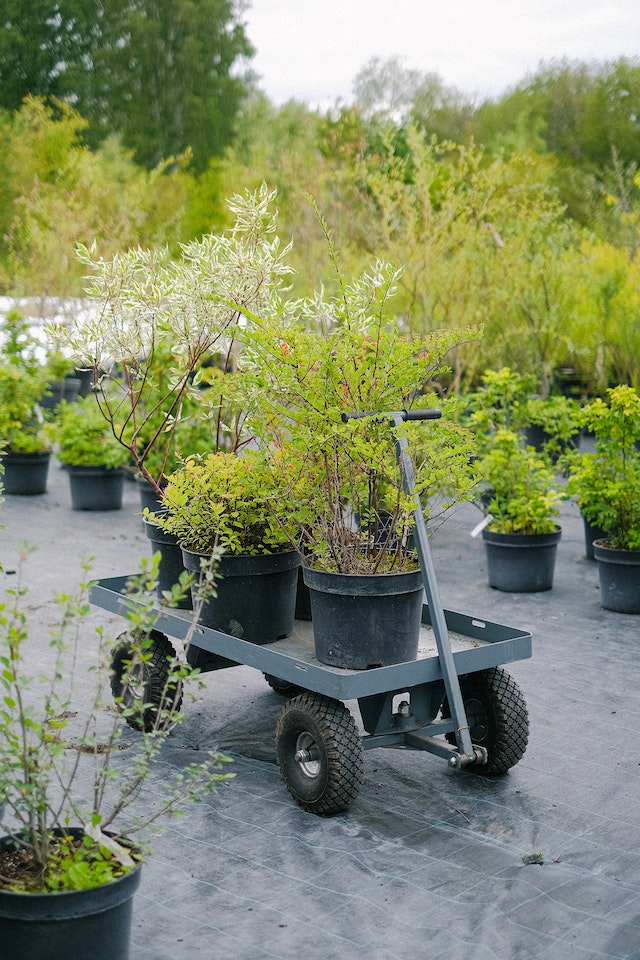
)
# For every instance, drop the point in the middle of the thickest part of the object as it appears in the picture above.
(476, 645)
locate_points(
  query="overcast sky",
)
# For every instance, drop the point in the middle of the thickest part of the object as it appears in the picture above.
(311, 50)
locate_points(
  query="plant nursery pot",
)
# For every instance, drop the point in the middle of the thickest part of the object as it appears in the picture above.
(26, 474)
(303, 598)
(536, 436)
(73, 925)
(591, 533)
(171, 565)
(148, 496)
(365, 621)
(256, 595)
(619, 573)
(521, 562)
(96, 488)
(67, 389)
(85, 376)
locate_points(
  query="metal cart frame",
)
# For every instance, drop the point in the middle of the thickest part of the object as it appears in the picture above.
(453, 701)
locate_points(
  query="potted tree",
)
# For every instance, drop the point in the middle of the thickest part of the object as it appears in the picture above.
(312, 362)
(74, 832)
(522, 534)
(92, 455)
(23, 381)
(234, 503)
(159, 321)
(606, 485)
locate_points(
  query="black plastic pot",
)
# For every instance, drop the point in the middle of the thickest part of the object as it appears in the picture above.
(96, 488)
(67, 389)
(256, 596)
(171, 565)
(521, 562)
(536, 436)
(303, 598)
(148, 496)
(26, 474)
(365, 621)
(73, 925)
(591, 533)
(619, 573)
(85, 375)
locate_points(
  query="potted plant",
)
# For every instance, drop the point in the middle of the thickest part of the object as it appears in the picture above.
(74, 827)
(606, 485)
(553, 424)
(23, 381)
(500, 402)
(506, 400)
(93, 456)
(233, 502)
(312, 362)
(61, 382)
(522, 534)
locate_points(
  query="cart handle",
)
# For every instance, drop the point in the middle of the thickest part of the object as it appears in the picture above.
(431, 413)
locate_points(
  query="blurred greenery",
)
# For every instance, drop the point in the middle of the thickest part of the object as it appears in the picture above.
(520, 214)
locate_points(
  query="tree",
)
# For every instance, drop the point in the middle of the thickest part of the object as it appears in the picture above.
(482, 241)
(55, 193)
(161, 73)
(171, 83)
(385, 90)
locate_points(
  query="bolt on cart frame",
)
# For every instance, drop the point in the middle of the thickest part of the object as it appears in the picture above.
(454, 700)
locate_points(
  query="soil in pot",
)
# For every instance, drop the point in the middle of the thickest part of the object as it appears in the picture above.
(361, 622)
(74, 925)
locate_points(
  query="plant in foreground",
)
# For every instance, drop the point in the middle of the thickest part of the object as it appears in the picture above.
(159, 321)
(227, 500)
(69, 782)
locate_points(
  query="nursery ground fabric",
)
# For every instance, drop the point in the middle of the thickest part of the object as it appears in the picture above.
(428, 862)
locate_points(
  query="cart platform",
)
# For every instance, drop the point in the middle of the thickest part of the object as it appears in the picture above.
(320, 751)
(476, 645)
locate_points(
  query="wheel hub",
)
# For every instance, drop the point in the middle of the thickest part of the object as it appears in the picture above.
(307, 755)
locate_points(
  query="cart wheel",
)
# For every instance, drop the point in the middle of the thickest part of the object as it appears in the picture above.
(320, 753)
(144, 688)
(283, 687)
(498, 718)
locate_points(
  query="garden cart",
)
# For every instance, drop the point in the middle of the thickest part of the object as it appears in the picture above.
(454, 700)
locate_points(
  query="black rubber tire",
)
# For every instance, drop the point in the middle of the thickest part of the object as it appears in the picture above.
(329, 779)
(148, 690)
(283, 687)
(498, 718)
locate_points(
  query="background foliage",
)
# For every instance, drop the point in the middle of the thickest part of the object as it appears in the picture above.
(129, 123)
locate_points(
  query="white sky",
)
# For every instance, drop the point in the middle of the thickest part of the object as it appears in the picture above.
(311, 50)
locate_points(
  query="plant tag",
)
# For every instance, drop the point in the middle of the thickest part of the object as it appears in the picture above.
(480, 527)
(112, 845)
